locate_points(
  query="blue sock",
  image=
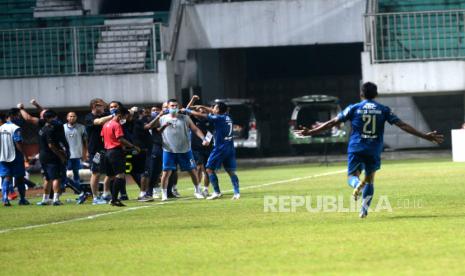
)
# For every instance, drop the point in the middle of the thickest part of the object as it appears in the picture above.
(367, 195)
(5, 189)
(214, 181)
(11, 188)
(353, 181)
(235, 183)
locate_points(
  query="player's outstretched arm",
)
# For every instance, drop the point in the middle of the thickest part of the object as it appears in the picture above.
(321, 128)
(101, 121)
(430, 136)
(199, 107)
(195, 113)
(154, 123)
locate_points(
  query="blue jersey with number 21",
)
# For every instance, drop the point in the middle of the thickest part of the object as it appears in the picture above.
(223, 130)
(367, 120)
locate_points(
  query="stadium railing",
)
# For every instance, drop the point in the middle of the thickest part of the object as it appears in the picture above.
(416, 36)
(80, 50)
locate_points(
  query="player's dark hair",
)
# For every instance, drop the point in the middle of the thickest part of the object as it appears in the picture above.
(121, 110)
(369, 90)
(49, 114)
(120, 104)
(222, 107)
(172, 101)
(13, 112)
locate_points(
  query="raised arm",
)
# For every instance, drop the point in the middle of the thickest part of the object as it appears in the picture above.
(192, 101)
(321, 128)
(155, 122)
(35, 103)
(26, 116)
(430, 136)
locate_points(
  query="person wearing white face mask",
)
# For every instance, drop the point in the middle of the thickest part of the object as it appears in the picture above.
(177, 147)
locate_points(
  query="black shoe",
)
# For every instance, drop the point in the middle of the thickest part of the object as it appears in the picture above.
(117, 203)
(23, 202)
(124, 197)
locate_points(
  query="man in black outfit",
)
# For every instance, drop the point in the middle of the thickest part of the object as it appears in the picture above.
(54, 153)
(94, 122)
(141, 162)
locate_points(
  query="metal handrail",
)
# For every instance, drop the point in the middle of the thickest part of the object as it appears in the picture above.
(80, 50)
(415, 36)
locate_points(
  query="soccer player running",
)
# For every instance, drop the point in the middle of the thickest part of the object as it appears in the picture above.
(113, 138)
(177, 147)
(223, 152)
(367, 119)
(12, 157)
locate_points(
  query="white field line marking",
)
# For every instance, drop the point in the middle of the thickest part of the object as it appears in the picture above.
(162, 203)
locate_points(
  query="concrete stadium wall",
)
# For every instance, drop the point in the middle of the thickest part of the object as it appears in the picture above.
(274, 23)
(77, 91)
(426, 113)
(415, 77)
(265, 24)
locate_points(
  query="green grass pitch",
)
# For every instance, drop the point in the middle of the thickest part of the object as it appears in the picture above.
(424, 233)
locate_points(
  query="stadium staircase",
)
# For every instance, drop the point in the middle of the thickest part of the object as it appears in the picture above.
(124, 45)
(50, 8)
(420, 29)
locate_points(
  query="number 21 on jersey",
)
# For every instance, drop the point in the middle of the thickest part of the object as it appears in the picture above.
(369, 124)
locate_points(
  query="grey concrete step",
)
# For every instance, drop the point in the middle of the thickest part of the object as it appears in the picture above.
(58, 13)
(130, 32)
(120, 56)
(136, 60)
(119, 67)
(127, 38)
(113, 50)
(128, 21)
(125, 44)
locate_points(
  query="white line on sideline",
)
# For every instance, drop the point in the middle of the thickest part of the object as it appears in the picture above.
(162, 203)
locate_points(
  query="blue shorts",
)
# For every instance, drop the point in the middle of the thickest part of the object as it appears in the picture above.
(360, 162)
(14, 168)
(53, 171)
(184, 160)
(222, 156)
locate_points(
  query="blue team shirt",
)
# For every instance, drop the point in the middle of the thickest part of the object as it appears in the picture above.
(367, 120)
(17, 134)
(223, 124)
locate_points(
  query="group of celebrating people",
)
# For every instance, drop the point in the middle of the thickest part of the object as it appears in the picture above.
(157, 139)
